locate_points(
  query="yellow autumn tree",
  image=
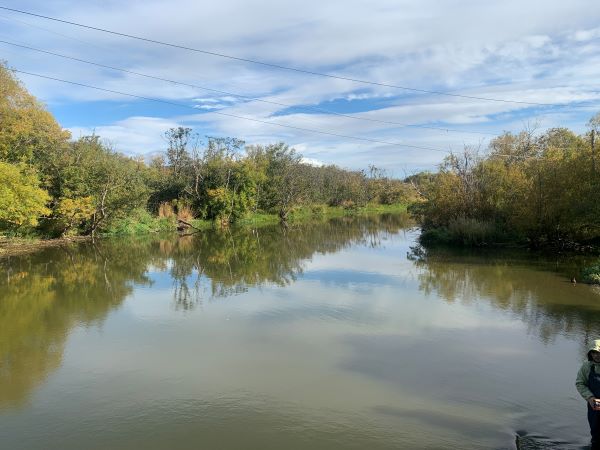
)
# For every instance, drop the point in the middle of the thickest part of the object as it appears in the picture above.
(27, 129)
(22, 201)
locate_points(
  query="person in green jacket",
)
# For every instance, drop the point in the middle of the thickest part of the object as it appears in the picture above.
(588, 385)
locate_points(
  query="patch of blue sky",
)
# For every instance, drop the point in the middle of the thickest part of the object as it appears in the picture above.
(98, 113)
(574, 118)
(350, 277)
(353, 103)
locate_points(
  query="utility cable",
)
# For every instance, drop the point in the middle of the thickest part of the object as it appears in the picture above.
(312, 108)
(282, 67)
(48, 30)
(376, 141)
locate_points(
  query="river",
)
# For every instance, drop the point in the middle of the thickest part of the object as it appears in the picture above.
(335, 335)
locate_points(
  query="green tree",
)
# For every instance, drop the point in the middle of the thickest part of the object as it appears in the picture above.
(88, 169)
(223, 185)
(283, 186)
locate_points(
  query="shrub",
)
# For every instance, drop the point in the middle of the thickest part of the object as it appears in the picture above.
(140, 222)
(471, 232)
(592, 274)
(465, 232)
(317, 210)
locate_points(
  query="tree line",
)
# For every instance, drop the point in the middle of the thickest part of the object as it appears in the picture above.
(538, 189)
(53, 185)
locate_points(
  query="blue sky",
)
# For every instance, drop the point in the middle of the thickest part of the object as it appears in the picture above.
(527, 50)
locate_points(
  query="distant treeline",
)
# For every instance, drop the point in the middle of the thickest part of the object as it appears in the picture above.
(53, 185)
(538, 190)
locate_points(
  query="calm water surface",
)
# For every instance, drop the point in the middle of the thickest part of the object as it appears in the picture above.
(326, 336)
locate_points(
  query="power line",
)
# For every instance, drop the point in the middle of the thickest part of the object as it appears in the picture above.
(313, 108)
(48, 30)
(377, 141)
(278, 66)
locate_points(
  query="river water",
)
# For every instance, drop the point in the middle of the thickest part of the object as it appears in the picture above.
(337, 335)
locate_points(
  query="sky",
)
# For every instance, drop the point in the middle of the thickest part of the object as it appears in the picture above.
(512, 50)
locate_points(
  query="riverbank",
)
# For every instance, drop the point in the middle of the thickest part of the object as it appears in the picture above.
(143, 222)
(475, 234)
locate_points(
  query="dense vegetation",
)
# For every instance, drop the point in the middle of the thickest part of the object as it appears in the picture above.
(539, 190)
(536, 191)
(55, 186)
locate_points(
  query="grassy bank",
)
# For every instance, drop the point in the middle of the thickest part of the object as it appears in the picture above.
(143, 222)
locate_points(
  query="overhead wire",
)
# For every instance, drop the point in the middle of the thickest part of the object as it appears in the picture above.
(286, 105)
(377, 141)
(288, 68)
(48, 30)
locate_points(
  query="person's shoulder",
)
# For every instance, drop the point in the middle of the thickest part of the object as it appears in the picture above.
(586, 365)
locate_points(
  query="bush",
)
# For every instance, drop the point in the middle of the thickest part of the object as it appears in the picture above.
(465, 232)
(140, 222)
(471, 232)
(592, 274)
(318, 210)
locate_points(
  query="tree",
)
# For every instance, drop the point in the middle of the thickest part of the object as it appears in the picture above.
(27, 130)
(594, 126)
(72, 212)
(222, 186)
(88, 169)
(22, 201)
(284, 187)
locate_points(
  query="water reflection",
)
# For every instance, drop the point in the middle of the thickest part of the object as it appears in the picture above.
(346, 343)
(233, 260)
(43, 296)
(525, 286)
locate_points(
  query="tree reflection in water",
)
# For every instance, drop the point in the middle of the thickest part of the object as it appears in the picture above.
(526, 286)
(228, 262)
(43, 296)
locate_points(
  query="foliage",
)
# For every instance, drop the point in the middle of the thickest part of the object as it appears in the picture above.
(27, 130)
(140, 221)
(22, 201)
(539, 188)
(72, 212)
(114, 183)
(592, 274)
(282, 185)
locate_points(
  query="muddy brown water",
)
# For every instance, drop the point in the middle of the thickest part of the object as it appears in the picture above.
(336, 335)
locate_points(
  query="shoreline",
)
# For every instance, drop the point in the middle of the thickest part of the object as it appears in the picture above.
(20, 246)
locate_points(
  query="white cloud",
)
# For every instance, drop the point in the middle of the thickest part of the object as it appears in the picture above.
(312, 161)
(473, 48)
(135, 135)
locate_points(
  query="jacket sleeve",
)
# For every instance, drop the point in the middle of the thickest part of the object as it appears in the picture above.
(582, 382)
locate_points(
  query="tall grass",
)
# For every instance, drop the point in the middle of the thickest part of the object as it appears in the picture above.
(467, 232)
